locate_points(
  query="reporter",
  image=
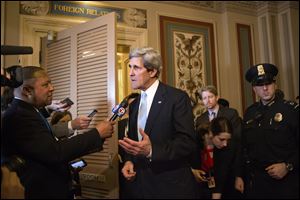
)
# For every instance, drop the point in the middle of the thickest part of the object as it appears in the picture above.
(67, 129)
(57, 117)
(60, 130)
(216, 175)
(45, 173)
(64, 129)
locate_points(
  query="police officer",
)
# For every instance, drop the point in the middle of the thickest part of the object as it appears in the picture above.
(270, 145)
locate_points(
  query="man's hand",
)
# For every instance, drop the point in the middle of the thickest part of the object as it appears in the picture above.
(277, 170)
(81, 122)
(137, 148)
(56, 105)
(128, 171)
(199, 175)
(105, 128)
(239, 184)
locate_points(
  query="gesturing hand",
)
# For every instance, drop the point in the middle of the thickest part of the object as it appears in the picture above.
(137, 148)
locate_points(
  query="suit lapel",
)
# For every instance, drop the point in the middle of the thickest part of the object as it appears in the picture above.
(133, 115)
(220, 112)
(206, 116)
(157, 104)
(34, 112)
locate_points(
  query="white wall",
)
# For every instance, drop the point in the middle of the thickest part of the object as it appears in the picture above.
(11, 30)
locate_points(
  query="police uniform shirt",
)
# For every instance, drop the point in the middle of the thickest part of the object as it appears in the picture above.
(271, 132)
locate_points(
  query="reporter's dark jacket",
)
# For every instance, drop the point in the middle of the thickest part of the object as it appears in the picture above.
(46, 171)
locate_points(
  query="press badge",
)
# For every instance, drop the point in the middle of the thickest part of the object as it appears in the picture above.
(211, 182)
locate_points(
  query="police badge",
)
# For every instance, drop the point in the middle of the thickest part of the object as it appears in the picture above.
(278, 117)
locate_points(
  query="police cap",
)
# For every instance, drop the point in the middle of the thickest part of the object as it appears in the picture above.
(261, 74)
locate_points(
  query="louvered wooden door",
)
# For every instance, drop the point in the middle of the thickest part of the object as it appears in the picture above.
(81, 64)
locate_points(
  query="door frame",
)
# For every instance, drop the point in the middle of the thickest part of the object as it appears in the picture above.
(32, 26)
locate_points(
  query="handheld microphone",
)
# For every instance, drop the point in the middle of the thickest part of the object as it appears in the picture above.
(120, 110)
(15, 50)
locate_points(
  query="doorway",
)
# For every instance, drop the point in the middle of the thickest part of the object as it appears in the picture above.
(35, 28)
(122, 71)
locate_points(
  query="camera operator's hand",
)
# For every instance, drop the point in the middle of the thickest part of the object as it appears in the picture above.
(81, 122)
(56, 105)
(105, 128)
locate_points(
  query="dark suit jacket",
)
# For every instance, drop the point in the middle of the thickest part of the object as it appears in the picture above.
(229, 113)
(46, 171)
(171, 131)
(224, 171)
(225, 160)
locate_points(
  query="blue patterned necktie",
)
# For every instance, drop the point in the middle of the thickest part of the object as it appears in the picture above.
(47, 124)
(142, 116)
(212, 116)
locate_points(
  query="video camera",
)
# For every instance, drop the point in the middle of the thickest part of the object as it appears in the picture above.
(15, 71)
(16, 78)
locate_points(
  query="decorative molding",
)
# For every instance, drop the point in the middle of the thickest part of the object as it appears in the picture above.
(253, 8)
(242, 7)
(212, 6)
(188, 56)
(133, 37)
(132, 17)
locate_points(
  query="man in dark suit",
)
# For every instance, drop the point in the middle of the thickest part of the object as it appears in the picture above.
(161, 134)
(209, 96)
(44, 171)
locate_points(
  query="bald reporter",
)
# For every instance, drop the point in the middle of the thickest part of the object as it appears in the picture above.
(44, 172)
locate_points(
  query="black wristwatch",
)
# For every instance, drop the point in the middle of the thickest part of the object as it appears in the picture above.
(289, 166)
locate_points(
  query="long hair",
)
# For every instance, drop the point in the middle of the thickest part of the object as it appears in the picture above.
(219, 125)
(203, 129)
(58, 116)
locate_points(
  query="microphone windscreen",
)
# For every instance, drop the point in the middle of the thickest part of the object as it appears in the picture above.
(15, 50)
(133, 95)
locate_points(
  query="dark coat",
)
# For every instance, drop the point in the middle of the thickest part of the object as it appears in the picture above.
(171, 131)
(46, 170)
(270, 135)
(225, 160)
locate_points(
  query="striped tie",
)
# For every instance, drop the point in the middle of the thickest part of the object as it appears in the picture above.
(212, 116)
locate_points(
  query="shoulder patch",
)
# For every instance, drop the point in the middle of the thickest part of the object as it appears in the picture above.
(291, 104)
(253, 106)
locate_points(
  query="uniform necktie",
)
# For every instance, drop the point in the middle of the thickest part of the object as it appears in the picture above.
(142, 116)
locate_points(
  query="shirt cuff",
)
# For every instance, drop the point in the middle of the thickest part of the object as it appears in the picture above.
(48, 110)
(149, 156)
(70, 126)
